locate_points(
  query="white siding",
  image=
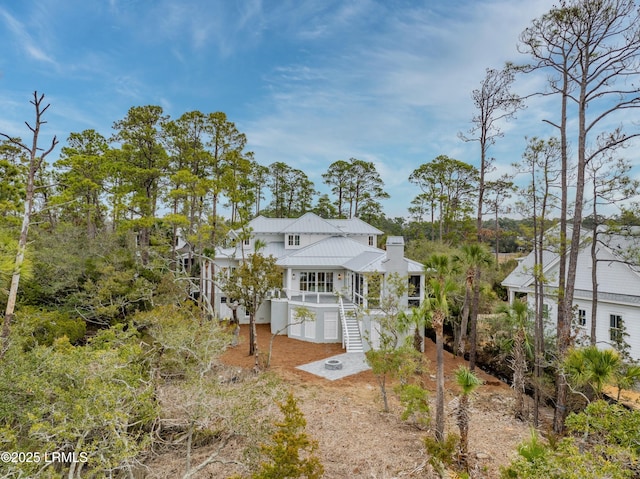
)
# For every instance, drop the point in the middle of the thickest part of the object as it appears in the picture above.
(630, 319)
(364, 239)
(295, 330)
(331, 325)
(310, 329)
(374, 335)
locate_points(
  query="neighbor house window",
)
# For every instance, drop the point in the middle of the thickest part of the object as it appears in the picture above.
(371, 241)
(615, 328)
(582, 317)
(316, 281)
(293, 240)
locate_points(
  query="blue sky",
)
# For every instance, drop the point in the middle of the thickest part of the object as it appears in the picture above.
(308, 82)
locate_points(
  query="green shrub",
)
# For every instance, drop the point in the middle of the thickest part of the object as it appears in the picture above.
(415, 401)
(291, 453)
(442, 453)
(38, 327)
(95, 399)
(604, 443)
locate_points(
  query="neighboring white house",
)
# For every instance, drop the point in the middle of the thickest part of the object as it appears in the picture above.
(327, 266)
(618, 279)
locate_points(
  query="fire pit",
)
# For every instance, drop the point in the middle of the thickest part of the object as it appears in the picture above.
(333, 364)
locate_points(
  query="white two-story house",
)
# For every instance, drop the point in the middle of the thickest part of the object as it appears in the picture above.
(329, 266)
(618, 285)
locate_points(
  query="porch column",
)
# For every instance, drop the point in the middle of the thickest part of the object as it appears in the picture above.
(288, 283)
(365, 291)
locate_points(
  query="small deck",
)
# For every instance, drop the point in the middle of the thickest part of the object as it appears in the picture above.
(314, 298)
(318, 298)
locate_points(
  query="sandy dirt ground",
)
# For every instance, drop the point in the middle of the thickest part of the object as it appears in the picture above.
(358, 440)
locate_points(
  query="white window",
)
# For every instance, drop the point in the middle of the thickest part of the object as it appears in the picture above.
(414, 290)
(316, 281)
(293, 240)
(615, 328)
(371, 240)
(582, 317)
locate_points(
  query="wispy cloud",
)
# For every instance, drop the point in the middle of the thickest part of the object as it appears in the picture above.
(396, 90)
(309, 82)
(24, 40)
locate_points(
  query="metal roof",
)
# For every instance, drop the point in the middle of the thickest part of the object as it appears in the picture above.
(311, 223)
(329, 252)
(354, 226)
(368, 261)
(621, 245)
(261, 224)
(335, 251)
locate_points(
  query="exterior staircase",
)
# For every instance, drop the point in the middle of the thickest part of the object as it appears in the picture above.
(351, 336)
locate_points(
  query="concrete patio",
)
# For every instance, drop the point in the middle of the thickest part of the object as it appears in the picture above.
(352, 363)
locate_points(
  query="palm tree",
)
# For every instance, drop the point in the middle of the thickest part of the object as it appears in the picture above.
(627, 377)
(473, 257)
(468, 382)
(440, 268)
(593, 367)
(417, 319)
(516, 318)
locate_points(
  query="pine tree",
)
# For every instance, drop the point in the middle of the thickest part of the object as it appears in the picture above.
(291, 455)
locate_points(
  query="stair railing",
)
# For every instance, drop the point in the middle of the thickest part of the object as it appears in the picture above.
(343, 318)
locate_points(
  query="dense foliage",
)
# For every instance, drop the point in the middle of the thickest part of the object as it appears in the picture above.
(106, 352)
(602, 442)
(95, 401)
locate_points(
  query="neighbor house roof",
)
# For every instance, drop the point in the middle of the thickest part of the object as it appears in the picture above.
(522, 276)
(623, 247)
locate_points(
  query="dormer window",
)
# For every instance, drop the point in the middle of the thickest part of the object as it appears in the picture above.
(293, 240)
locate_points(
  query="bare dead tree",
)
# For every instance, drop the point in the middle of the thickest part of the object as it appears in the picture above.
(541, 162)
(494, 103)
(36, 157)
(591, 48)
